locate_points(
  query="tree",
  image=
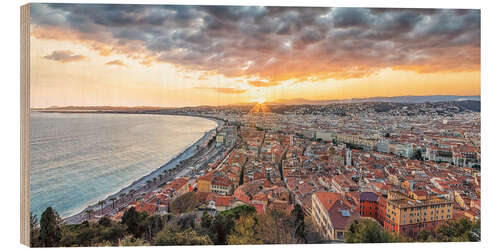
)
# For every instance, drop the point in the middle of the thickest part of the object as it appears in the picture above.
(134, 221)
(105, 221)
(299, 223)
(101, 203)
(224, 221)
(186, 221)
(113, 199)
(184, 203)
(312, 234)
(206, 220)
(366, 231)
(113, 233)
(418, 155)
(131, 241)
(459, 230)
(172, 235)
(89, 213)
(50, 231)
(276, 227)
(242, 176)
(243, 232)
(34, 230)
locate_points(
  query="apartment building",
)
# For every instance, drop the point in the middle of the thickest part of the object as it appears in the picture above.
(409, 216)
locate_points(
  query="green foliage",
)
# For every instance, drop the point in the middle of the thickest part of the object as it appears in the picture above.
(275, 227)
(206, 220)
(244, 232)
(172, 235)
(130, 241)
(154, 224)
(186, 221)
(184, 203)
(105, 221)
(459, 230)
(93, 234)
(134, 221)
(224, 221)
(50, 231)
(418, 155)
(366, 231)
(34, 231)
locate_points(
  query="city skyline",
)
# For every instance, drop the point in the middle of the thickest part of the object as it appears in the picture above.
(151, 55)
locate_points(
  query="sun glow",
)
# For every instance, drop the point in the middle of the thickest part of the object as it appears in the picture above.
(260, 100)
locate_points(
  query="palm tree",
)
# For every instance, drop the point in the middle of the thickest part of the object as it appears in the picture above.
(122, 195)
(113, 200)
(101, 203)
(89, 213)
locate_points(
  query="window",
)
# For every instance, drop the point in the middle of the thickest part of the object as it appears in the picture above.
(340, 235)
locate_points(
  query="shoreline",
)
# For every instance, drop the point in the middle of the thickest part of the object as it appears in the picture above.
(188, 152)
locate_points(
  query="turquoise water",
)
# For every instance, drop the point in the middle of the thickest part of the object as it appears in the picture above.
(79, 159)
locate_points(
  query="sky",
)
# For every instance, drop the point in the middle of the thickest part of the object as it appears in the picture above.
(174, 56)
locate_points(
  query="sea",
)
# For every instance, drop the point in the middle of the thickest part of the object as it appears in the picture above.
(77, 159)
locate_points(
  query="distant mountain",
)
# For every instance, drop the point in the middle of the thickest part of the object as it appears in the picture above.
(398, 99)
(97, 108)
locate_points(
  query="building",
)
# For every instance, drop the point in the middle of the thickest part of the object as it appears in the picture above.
(324, 136)
(221, 185)
(220, 139)
(372, 205)
(409, 216)
(348, 157)
(178, 186)
(331, 215)
(204, 183)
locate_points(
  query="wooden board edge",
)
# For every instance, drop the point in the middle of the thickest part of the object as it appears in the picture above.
(25, 107)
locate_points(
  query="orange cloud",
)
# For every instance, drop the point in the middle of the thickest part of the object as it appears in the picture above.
(223, 90)
(64, 56)
(263, 83)
(116, 63)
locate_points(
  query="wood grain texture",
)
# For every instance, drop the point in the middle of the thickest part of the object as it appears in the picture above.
(25, 107)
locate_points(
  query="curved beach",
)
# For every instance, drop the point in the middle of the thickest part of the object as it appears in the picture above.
(141, 182)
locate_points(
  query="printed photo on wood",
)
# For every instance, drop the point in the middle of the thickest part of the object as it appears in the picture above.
(160, 125)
